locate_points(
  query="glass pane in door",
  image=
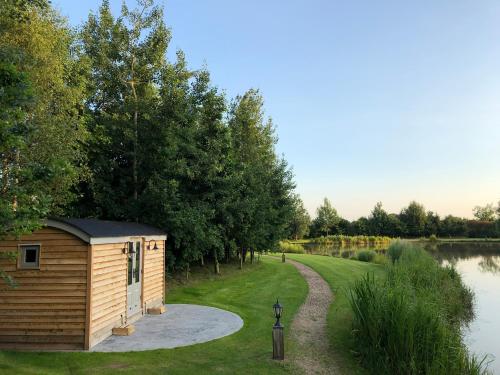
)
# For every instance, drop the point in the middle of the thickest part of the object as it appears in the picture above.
(130, 266)
(137, 270)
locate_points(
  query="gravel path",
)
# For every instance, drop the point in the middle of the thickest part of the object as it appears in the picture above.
(309, 327)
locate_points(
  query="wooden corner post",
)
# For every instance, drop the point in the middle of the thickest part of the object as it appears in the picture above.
(88, 309)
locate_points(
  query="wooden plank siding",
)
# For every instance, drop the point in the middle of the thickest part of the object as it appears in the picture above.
(47, 308)
(108, 306)
(78, 294)
(154, 276)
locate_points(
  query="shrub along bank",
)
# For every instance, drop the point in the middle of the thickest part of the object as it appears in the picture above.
(366, 255)
(409, 321)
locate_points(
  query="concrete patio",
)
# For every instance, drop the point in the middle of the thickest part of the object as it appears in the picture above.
(180, 325)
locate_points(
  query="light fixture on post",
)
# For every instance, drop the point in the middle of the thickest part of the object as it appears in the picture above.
(278, 312)
(278, 335)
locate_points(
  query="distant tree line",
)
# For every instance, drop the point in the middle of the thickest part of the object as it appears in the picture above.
(97, 122)
(412, 221)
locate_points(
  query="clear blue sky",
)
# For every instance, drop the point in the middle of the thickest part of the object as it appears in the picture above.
(373, 100)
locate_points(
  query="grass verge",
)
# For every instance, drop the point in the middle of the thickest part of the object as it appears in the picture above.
(249, 293)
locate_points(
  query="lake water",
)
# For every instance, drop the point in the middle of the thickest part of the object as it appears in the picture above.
(479, 265)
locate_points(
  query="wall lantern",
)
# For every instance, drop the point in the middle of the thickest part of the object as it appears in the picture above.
(155, 247)
(128, 248)
(278, 334)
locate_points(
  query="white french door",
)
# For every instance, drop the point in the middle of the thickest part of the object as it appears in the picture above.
(134, 277)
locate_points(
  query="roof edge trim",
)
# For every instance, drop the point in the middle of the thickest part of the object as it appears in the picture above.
(106, 240)
(68, 228)
(99, 240)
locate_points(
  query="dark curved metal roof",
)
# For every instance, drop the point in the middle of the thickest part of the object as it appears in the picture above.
(105, 228)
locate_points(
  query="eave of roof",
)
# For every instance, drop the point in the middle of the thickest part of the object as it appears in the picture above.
(95, 231)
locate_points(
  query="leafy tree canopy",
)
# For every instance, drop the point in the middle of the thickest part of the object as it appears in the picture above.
(326, 217)
(485, 213)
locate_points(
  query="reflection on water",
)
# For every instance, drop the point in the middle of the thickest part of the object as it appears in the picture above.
(479, 265)
(341, 251)
(490, 264)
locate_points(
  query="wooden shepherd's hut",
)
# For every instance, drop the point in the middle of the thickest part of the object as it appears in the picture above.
(78, 282)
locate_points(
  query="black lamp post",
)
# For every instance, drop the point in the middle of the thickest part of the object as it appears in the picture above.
(278, 335)
(278, 311)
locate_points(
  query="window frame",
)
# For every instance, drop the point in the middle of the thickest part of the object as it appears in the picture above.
(21, 264)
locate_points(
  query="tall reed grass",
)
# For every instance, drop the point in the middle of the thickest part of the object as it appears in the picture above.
(287, 247)
(342, 240)
(410, 322)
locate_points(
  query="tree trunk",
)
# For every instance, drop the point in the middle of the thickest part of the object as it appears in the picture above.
(202, 261)
(136, 132)
(216, 264)
(244, 254)
(187, 272)
(136, 135)
(241, 259)
(252, 252)
(5, 176)
(16, 179)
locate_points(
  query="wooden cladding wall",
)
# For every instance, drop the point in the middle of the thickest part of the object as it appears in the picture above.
(47, 308)
(108, 306)
(154, 275)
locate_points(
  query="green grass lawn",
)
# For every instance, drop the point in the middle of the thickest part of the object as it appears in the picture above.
(340, 274)
(249, 293)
